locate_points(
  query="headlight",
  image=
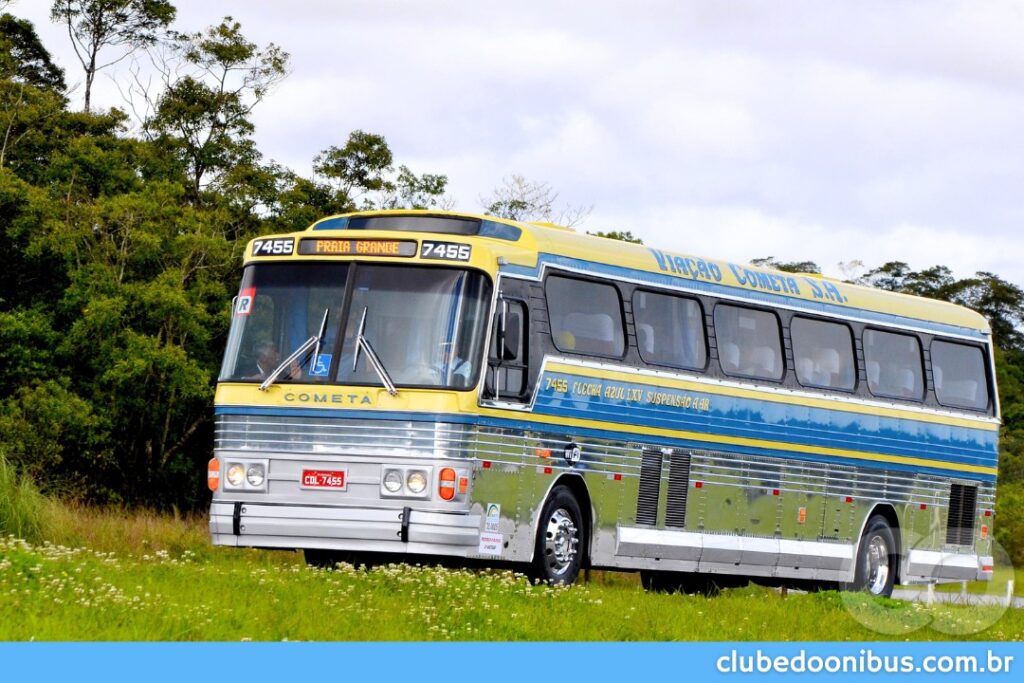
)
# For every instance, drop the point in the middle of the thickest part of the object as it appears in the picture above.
(236, 474)
(393, 481)
(255, 475)
(417, 482)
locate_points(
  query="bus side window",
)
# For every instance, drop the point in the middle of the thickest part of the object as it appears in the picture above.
(823, 354)
(959, 375)
(507, 362)
(669, 330)
(897, 357)
(750, 342)
(586, 316)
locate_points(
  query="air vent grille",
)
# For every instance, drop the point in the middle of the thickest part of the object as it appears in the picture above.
(678, 487)
(650, 487)
(960, 522)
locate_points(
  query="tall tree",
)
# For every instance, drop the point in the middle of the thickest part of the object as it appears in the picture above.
(203, 118)
(98, 25)
(361, 174)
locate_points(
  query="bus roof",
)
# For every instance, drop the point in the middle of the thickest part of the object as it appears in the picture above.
(531, 246)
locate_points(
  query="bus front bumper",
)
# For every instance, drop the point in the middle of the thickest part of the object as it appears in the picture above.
(388, 530)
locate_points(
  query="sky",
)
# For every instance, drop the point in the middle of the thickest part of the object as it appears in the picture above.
(804, 130)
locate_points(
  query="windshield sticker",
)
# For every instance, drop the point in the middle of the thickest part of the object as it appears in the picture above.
(448, 251)
(322, 365)
(246, 298)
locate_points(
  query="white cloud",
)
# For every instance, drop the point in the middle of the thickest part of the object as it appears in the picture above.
(804, 130)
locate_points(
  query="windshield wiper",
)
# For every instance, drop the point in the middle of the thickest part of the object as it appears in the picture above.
(311, 343)
(363, 344)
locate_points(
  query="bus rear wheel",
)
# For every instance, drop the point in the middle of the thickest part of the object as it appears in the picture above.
(877, 558)
(558, 551)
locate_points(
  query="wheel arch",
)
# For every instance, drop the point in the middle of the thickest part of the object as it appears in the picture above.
(887, 512)
(575, 483)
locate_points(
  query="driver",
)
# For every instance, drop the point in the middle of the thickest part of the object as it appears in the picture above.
(267, 360)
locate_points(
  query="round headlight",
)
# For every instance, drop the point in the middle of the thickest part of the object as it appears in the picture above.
(236, 474)
(393, 481)
(255, 474)
(417, 482)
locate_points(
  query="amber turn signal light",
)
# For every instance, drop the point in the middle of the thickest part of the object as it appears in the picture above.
(213, 474)
(446, 483)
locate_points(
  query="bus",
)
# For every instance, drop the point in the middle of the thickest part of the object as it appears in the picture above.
(423, 385)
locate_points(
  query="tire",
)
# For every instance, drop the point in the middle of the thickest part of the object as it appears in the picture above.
(877, 559)
(559, 548)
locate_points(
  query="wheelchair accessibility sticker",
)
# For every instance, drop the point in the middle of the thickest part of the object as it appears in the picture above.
(322, 365)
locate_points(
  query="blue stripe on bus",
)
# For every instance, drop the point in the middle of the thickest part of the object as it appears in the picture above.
(764, 298)
(539, 427)
(749, 418)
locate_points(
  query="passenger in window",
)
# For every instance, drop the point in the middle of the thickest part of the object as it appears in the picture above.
(730, 358)
(907, 384)
(761, 362)
(826, 367)
(645, 340)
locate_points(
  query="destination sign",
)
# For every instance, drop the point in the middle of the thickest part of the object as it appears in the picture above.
(341, 247)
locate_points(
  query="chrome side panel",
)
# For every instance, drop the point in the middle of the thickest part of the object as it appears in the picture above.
(742, 514)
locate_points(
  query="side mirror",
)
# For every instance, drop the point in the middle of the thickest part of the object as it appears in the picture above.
(512, 337)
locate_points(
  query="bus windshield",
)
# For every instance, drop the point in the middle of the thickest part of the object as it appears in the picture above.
(426, 325)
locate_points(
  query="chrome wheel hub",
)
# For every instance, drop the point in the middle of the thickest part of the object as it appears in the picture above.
(561, 541)
(876, 569)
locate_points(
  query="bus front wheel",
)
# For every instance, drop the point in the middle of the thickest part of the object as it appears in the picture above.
(877, 558)
(558, 552)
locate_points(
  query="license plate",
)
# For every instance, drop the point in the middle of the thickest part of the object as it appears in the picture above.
(324, 479)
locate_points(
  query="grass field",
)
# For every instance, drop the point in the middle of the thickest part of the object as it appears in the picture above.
(139, 576)
(80, 573)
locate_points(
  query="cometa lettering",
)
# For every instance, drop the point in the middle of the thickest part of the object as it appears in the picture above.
(344, 399)
(770, 282)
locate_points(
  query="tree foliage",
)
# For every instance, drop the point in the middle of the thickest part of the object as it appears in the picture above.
(203, 119)
(125, 251)
(95, 26)
(520, 199)
(786, 266)
(28, 60)
(620, 235)
(361, 175)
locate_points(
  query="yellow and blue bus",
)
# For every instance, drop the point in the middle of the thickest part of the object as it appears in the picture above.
(445, 385)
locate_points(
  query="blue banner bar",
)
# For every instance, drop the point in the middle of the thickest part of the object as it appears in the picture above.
(511, 662)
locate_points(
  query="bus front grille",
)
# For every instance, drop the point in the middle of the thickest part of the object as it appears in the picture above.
(650, 487)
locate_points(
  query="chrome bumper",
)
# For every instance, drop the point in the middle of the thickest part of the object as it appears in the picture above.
(343, 528)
